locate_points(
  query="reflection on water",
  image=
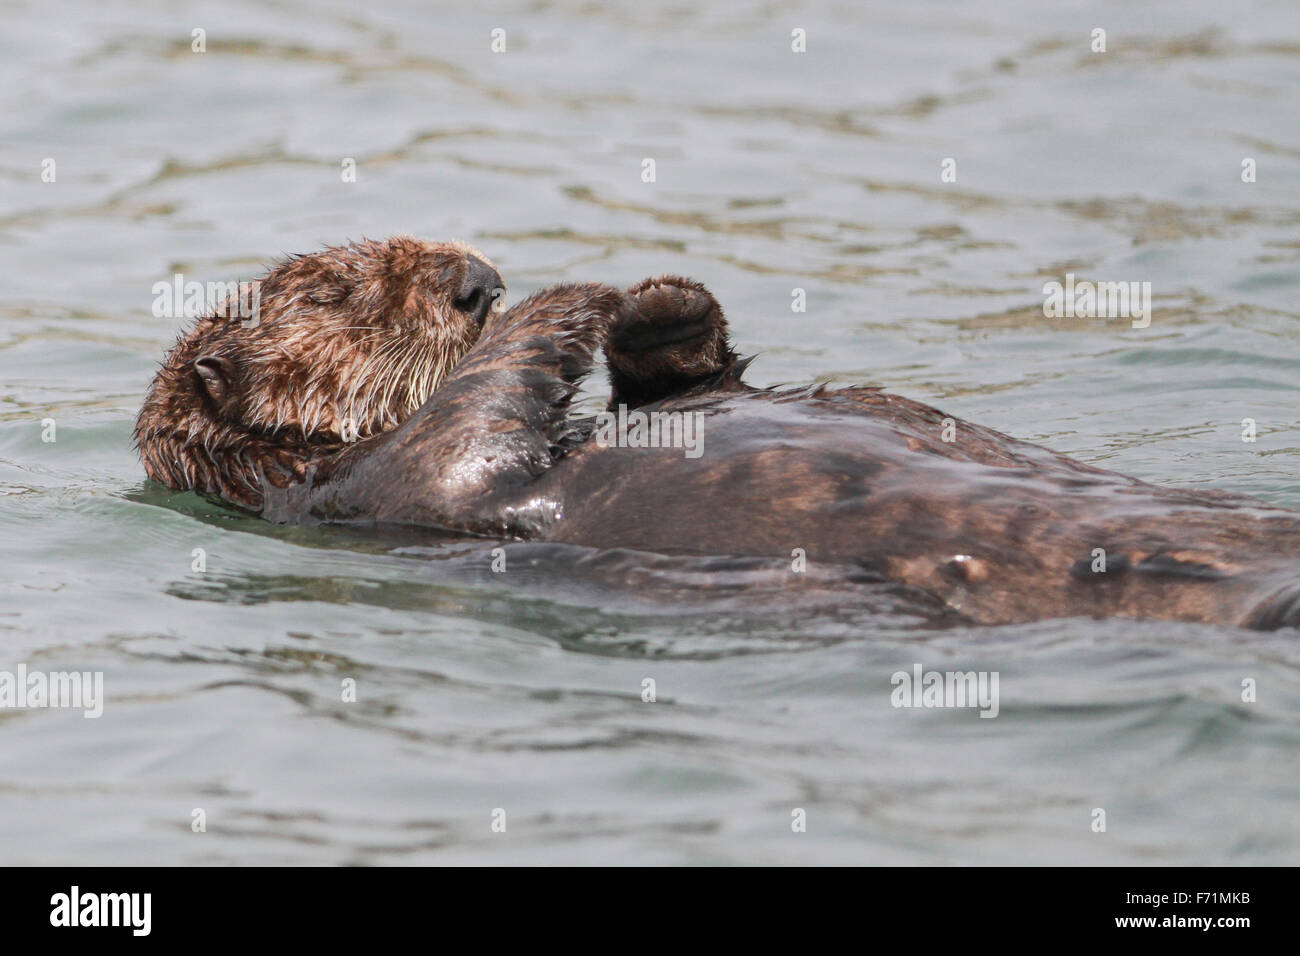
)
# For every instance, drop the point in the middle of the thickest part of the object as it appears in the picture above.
(775, 171)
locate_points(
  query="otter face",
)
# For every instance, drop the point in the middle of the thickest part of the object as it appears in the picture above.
(346, 343)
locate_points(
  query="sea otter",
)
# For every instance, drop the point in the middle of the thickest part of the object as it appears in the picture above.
(382, 385)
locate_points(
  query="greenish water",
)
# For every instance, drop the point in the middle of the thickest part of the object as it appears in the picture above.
(775, 171)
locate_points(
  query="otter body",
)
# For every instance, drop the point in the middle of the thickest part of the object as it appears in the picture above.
(997, 529)
(1000, 530)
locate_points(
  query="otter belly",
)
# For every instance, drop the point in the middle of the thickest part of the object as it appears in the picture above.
(998, 529)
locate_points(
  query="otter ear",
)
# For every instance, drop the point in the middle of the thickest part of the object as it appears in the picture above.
(330, 287)
(217, 374)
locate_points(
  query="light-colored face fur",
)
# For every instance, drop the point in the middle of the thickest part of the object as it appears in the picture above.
(347, 343)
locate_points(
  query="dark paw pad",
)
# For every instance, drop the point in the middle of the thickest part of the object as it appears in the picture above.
(668, 312)
(675, 327)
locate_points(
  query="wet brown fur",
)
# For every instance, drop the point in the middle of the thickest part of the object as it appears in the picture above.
(998, 529)
(349, 342)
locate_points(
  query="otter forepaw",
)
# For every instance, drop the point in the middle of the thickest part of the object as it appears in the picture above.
(675, 336)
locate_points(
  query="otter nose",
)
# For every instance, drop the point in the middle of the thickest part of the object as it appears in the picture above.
(479, 290)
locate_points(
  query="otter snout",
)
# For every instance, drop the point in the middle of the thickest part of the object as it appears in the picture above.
(480, 290)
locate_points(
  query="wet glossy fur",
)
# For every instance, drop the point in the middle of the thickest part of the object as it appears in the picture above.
(1000, 530)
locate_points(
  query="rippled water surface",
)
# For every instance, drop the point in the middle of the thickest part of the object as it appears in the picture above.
(775, 171)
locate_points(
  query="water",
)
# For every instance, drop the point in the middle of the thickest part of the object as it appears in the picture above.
(775, 171)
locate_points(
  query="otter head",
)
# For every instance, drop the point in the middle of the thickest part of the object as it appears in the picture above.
(343, 344)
